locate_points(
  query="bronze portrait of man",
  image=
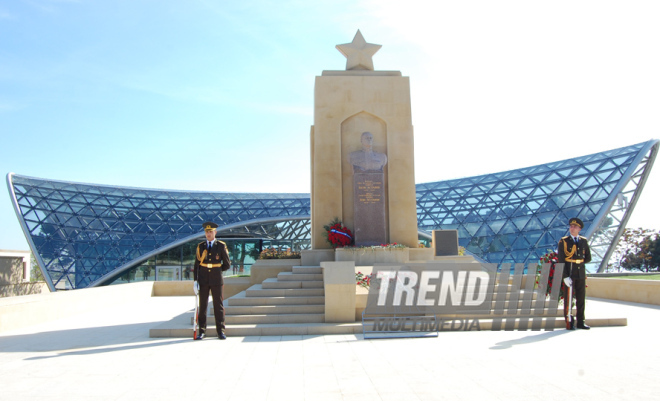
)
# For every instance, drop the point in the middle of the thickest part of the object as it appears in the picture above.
(366, 160)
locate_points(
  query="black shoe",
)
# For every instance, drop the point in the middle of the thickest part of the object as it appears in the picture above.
(583, 326)
(222, 335)
(200, 336)
(571, 326)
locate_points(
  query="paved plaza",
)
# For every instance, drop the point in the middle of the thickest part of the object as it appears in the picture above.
(108, 355)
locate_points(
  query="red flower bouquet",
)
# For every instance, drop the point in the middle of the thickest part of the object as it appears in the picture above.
(338, 235)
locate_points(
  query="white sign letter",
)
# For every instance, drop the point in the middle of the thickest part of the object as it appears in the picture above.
(405, 282)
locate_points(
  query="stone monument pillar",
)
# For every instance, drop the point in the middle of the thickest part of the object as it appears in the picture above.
(362, 153)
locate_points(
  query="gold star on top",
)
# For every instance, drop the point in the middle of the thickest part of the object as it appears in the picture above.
(358, 53)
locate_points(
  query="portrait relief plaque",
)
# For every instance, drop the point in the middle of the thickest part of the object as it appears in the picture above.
(369, 194)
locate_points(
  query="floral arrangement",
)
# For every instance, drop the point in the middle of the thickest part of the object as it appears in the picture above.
(363, 280)
(278, 253)
(550, 257)
(393, 245)
(338, 236)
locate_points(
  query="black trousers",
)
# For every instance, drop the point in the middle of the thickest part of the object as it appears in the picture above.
(579, 294)
(218, 308)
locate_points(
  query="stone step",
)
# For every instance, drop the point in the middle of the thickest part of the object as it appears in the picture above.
(296, 276)
(252, 318)
(467, 324)
(246, 330)
(181, 327)
(275, 318)
(273, 309)
(241, 299)
(258, 291)
(307, 270)
(272, 283)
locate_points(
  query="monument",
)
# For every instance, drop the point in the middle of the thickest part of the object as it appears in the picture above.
(362, 153)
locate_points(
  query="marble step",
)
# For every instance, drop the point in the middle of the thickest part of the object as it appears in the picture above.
(371, 329)
(272, 283)
(269, 310)
(241, 299)
(258, 291)
(273, 309)
(296, 276)
(181, 327)
(307, 270)
(270, 318)
(246, 330)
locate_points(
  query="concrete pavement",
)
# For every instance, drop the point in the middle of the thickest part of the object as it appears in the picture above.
(108, 355)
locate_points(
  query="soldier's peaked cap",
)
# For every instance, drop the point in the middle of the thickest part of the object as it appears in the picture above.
(577, 221)
(209, 225)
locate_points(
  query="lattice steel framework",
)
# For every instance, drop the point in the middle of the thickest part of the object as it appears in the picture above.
(517, 216)
(82, 234)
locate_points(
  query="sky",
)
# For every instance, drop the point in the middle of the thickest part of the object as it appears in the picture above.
(157, 94)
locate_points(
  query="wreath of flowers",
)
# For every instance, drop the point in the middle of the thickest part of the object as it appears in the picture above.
(338, 236)
(550, 257)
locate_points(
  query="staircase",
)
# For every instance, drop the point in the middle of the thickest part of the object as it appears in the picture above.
(293, 303)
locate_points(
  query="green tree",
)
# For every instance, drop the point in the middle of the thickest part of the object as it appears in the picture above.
(35, 271)
(638, 249)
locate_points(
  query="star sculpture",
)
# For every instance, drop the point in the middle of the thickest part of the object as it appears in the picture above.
(358, 53)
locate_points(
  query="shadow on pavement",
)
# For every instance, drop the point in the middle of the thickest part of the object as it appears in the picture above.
(112, 338)
(529, 339)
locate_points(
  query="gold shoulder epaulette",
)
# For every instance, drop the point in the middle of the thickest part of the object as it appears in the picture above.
(222, 242)
(566, 237)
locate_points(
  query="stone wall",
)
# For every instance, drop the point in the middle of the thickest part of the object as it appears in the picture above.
(30, 288)
(630, 290)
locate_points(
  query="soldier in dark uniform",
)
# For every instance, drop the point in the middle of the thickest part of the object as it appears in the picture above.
(574, 252)
(210, 261)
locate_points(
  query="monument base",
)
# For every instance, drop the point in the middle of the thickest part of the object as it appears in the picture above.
(369, 256)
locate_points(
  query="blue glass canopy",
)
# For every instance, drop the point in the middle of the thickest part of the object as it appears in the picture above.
(517, 216)
(83, 234)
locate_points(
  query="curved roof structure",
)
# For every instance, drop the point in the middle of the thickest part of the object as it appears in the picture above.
(517, 216)
(84, 234)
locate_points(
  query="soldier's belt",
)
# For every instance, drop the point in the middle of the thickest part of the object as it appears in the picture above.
(574, 260)
(210, 265)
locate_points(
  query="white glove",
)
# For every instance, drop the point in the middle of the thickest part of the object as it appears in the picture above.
(195, 287)
(568, 281)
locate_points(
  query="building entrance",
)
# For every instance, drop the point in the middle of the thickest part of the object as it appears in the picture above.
(168, 273)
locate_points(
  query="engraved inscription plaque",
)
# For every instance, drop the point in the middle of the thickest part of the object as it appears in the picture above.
(369, 207)
(369, 194)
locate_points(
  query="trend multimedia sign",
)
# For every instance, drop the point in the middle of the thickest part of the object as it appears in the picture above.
(424, 299)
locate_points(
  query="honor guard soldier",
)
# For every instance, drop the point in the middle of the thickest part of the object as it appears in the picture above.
(210, 261)
(574, 252)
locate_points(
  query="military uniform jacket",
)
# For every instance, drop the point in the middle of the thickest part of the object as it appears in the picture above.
(217, 256)
(574, 256)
